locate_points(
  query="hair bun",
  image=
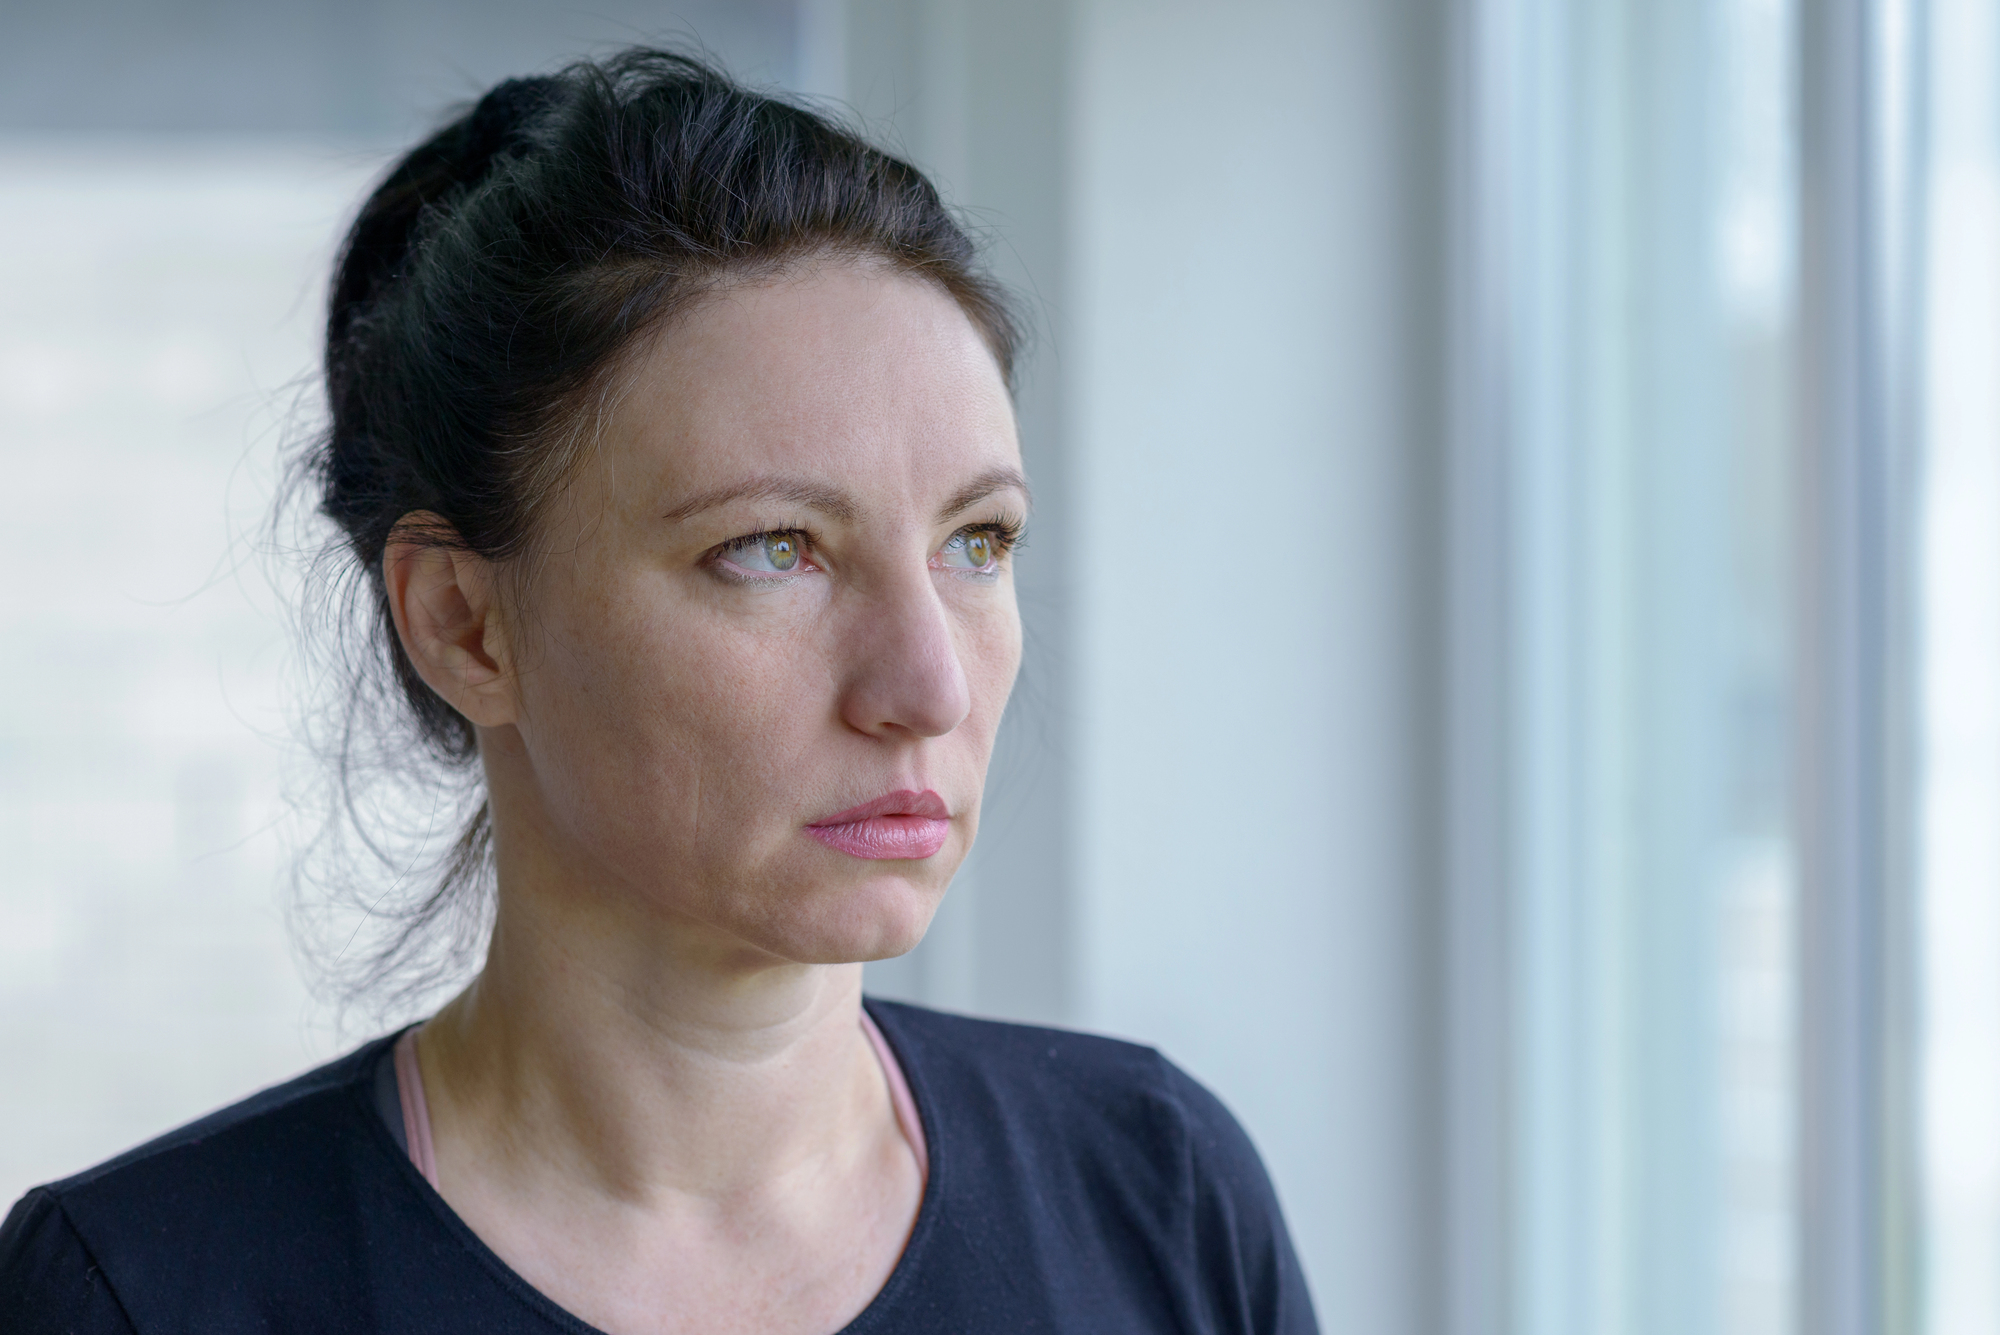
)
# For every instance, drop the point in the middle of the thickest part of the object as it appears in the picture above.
(500, 123)
(456, 158)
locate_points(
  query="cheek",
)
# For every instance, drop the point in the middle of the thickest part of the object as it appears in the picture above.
(665, 735)
(991, 655)
(665, 730)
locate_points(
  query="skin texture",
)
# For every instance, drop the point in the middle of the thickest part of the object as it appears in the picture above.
(655, 1102)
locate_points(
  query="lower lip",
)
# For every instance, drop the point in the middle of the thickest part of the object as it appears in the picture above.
(881, 838)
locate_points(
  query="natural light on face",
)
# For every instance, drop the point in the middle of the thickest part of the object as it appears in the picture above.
(158, 302)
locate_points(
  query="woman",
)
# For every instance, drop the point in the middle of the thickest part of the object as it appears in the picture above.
(671, 427)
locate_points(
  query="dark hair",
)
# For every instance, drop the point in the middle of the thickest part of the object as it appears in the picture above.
(481, 303)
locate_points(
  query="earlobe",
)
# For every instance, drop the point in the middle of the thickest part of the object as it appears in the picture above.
(441, 598)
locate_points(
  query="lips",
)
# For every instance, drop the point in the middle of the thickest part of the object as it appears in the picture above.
(900, 826)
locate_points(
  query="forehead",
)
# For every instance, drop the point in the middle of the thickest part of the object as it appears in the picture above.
(843, 373)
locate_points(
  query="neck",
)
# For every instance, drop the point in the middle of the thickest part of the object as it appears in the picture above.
(650, 1060)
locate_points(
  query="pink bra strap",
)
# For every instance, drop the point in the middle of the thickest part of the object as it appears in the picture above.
(899, 1096)
(416, 1114)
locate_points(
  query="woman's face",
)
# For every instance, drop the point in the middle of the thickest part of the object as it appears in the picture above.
(760, 660)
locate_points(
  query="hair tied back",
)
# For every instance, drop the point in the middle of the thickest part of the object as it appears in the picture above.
(501, 123)
(455, 160)
(487, 291)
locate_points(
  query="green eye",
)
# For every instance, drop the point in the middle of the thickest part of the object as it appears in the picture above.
(971, 549)
(781, 550)
(768, 554)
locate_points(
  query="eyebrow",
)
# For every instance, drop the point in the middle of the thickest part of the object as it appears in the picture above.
(836, 504)
(972, 493)
(828, 501)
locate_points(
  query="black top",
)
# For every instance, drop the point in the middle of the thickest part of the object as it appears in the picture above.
(1076, 1184)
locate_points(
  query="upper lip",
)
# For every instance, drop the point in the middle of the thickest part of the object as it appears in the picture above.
(907, 802)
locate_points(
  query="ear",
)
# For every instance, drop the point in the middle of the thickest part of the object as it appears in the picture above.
(441, 597)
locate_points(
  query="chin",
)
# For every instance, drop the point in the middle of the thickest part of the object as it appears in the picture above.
(877, 918)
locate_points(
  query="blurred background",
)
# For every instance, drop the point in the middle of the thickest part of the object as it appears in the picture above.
(1564, 441)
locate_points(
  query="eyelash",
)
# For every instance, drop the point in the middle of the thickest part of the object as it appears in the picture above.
(1007, 533)
(808, 540)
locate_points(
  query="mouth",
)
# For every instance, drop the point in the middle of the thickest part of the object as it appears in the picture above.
(901, 826)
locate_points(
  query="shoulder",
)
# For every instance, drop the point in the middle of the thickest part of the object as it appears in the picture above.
(1085, 1084)
(962, 1048)
(241, 1128)
(1120, 1161)
(247, 1146)
(49, 1281)
(266, 1185)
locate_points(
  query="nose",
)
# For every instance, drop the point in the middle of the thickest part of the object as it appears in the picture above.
(904, 673)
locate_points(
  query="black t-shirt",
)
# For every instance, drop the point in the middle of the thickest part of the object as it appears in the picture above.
(1076, 1184)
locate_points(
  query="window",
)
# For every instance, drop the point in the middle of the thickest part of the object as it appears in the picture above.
(1958, 680)
(1625, 503)
(159, 297)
